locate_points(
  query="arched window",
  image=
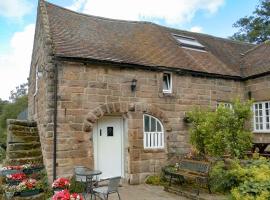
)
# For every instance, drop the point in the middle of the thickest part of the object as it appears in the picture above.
(153, 132)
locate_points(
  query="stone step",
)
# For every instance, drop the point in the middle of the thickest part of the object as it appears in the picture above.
(22, 139)
(22, 161)
(23, 133)
(22, 128)
(22, 122)
(40, 196)
(24, 153)
(23, 146)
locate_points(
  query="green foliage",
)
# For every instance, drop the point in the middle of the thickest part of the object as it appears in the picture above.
(223, 177)
(155, 180)
(2, 154)
(223, 131)
(245, 180)
(75, 186)
(255, 28)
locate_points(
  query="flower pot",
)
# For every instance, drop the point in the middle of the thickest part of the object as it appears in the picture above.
(32, 170)
(9, 195)
(13, 182)
(58, 190)
(10, 171)
(27, 193)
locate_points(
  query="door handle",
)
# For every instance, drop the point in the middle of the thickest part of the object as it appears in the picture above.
(100, 132)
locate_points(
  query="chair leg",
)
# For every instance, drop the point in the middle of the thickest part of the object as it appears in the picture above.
(118, 195)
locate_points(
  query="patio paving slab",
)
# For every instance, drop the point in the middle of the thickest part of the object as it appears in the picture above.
(144, 192)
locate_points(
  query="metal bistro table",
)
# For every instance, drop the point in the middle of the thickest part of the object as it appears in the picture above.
(89, 174)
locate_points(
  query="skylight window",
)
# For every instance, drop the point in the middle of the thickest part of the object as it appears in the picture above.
(189, 43)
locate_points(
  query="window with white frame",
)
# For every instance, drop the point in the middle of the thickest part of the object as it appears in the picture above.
(153, 133)
(167, 83)
(225, 104)
(261, 116)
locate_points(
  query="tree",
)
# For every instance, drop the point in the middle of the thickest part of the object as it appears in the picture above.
(255, 28)
(222, 131)
(10, 110)
(20, 91)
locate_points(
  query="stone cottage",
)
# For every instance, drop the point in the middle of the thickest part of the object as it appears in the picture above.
(112, 94)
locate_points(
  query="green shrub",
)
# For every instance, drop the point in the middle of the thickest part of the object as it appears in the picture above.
(155, 180)
(2, 154)
(246, 180)
(75, 186)
(222, 131)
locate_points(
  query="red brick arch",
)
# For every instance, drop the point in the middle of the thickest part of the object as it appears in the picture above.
(124, 108)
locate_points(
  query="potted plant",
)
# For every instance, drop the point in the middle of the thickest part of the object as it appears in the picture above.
(10, 191)
(31, 168)
(65, 195)
(15, 179)
(60, 184)
(29, 187)
(10, 170)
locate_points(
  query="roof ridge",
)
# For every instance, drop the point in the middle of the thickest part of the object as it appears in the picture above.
(256, 47)
(99, 17)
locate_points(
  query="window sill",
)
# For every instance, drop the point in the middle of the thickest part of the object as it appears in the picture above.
(157, 150)
(261, 131)
(166, 94)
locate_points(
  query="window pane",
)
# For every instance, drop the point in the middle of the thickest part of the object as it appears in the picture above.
(153, 125)
(165, 82)
(158, 127)
(146, 123)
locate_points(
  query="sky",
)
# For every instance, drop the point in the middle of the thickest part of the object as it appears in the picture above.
(17, 24)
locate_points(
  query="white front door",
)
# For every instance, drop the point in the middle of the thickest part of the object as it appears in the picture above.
(108, 147)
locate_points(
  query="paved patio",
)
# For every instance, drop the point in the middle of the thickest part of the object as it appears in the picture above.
(144, 192)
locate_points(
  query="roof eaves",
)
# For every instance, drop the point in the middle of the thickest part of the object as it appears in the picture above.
(141, 66)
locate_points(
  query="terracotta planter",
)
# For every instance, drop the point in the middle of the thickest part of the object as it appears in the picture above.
(27, 193)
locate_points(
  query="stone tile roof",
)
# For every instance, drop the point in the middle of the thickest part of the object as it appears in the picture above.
(257, 60)
(143, 43)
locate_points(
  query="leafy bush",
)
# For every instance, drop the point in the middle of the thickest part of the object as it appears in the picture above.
(75, 186)
(2, 154)
(223, 131)
(155, 180)
(249, 180)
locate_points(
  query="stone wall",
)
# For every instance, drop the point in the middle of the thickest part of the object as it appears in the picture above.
(260, 91)
(84, 89)
(41, 101)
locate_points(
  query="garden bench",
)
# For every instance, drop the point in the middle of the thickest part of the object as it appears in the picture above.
(197, 171)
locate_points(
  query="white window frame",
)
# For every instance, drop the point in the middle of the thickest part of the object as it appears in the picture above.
(36, 80)
(167, 91)
(261, 122)
(155, 139)
(225, 104)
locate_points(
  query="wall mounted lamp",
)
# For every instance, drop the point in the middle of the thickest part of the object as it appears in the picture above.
(133, 85)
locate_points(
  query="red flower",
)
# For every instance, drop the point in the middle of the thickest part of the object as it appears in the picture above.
(62, 195)
(61, 183)
(17, 177)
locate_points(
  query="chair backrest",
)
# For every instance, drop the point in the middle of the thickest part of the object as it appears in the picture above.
(79, 170)
(113, 184)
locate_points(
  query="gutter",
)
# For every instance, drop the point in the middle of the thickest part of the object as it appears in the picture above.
(55, 121)
(144, 67)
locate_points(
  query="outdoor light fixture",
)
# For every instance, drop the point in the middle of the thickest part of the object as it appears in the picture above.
(133, 85)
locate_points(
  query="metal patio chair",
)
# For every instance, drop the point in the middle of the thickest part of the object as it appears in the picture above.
(104, 191)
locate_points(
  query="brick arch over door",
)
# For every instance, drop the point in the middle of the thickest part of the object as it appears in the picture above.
(125, 108)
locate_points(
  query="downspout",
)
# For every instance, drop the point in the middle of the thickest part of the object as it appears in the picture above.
(55, 121)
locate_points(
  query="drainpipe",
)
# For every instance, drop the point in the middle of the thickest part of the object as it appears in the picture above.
(55, 120)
